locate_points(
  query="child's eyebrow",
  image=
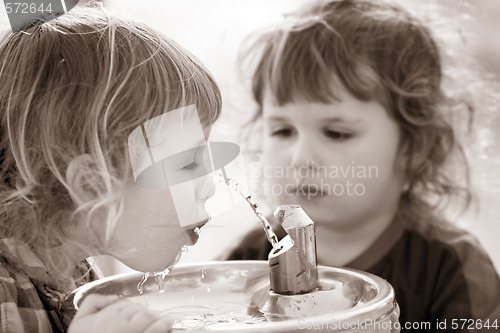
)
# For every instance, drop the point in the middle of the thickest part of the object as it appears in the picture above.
(275, 118)
(340, 120)
(322, 120)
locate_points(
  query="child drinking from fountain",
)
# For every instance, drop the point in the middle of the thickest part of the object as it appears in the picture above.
(73, 90)
(353, 113)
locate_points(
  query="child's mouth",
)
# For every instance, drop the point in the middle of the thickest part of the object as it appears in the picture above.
(194, 233)
(193, 237)
(309, 191)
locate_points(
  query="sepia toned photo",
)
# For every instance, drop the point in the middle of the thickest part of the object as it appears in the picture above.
(250, 166)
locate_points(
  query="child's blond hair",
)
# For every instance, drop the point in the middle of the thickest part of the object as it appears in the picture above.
(79, 85)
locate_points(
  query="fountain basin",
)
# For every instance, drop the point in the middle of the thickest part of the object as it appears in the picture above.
(233, 296)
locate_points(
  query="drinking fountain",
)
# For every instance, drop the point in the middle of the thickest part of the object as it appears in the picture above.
(288, 293)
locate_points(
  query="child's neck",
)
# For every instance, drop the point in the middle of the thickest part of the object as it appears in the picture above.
(61, 267)
(340, 247)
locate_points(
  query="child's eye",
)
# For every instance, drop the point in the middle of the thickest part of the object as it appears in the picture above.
(191, 166)
(283, 132)
(339, 136)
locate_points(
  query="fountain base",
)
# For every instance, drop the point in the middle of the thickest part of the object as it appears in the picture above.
(233, 295)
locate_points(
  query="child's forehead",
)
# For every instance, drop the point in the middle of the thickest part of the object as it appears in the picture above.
(325, 88)
(317, 112)
(272, 104)
(181, 127)
(346, 109)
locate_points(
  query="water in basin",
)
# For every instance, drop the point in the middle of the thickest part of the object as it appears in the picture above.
(213, 304)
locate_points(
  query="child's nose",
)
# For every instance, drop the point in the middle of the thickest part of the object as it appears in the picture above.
(303, 152)
(205, 187)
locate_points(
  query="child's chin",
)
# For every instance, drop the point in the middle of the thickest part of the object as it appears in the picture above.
(311, 207)
(159, 265)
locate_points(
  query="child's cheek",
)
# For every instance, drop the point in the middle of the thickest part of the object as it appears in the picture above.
(183, 196)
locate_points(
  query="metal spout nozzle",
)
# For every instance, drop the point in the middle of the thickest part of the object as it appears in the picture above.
(293, 268)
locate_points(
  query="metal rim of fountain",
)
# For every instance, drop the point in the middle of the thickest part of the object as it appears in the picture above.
(381, 307)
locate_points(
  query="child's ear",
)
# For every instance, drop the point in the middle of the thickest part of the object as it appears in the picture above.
(77, 177)
(402, 158)
(403, 166)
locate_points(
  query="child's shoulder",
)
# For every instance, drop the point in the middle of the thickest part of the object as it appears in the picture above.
(444, 234)
(453, 244)
(15, 283)
(458, 255)
(19, 300)
(30, 304)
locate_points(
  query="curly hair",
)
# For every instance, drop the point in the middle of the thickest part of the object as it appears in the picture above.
(78, 85)
(375, 50)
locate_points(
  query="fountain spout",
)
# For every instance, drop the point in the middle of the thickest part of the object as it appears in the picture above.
(293, 267)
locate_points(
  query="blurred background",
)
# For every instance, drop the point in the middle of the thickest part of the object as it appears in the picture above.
(213, 31)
